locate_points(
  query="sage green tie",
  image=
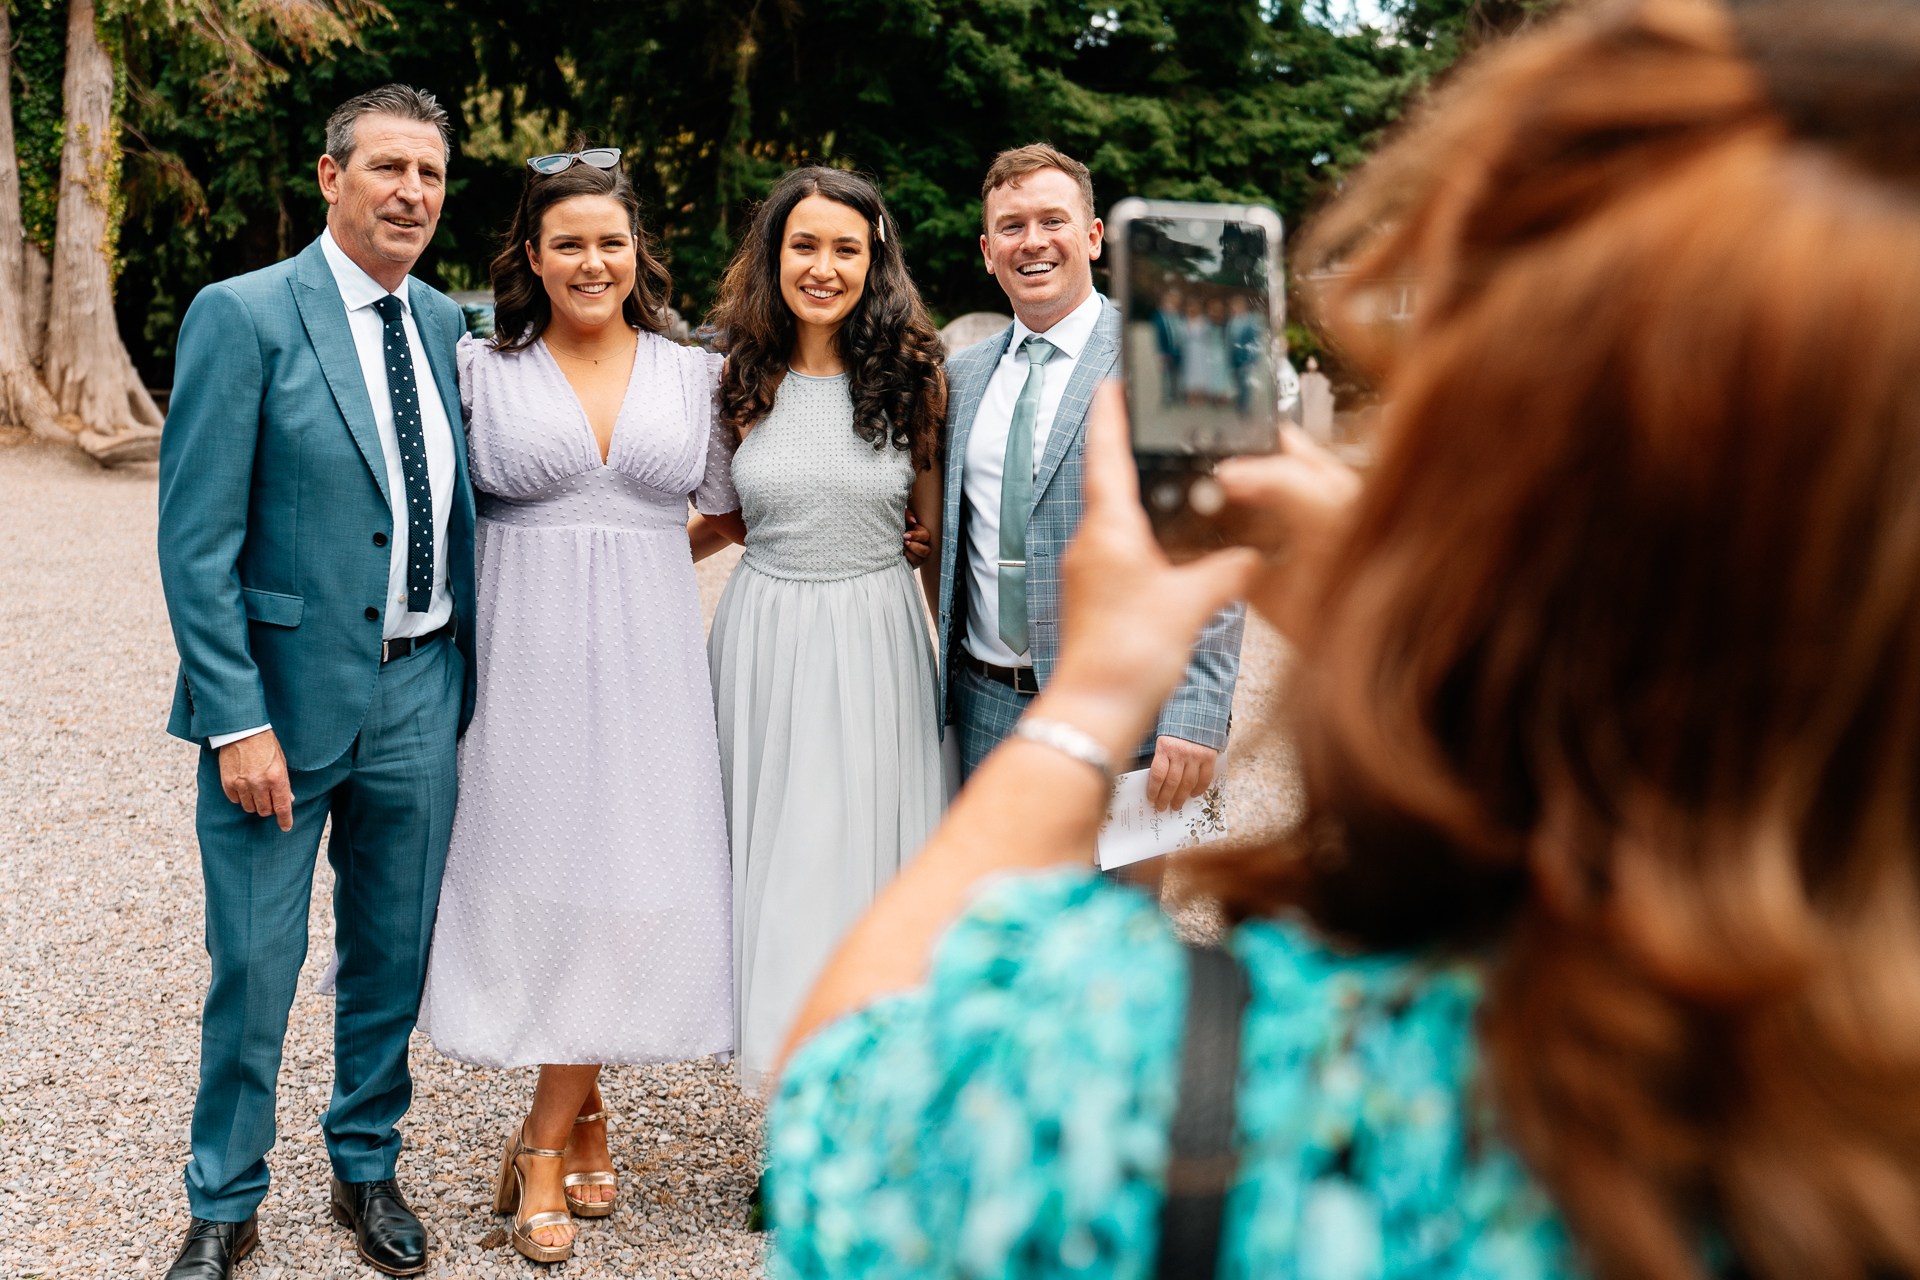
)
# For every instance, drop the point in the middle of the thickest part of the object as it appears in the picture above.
(1016, 498)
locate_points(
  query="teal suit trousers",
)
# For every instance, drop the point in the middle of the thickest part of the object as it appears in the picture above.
(391, 799)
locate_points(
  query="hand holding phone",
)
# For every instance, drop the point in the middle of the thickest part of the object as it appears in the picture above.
(1202, 300)
(1294, 507)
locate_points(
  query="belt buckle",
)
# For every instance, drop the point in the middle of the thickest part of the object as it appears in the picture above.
(386, 651)
(1025, 680)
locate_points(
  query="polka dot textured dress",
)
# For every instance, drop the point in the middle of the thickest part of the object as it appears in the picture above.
(585, 913)
(823, 685)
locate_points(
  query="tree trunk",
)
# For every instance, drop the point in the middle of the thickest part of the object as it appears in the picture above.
(24, 401)
(36, 276)
(87, 366)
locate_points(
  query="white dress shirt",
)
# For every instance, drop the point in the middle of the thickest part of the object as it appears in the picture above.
(359, 291)
(986, 458)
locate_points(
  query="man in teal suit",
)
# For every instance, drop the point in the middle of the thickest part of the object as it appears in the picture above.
(1016, 419)
(316, 547)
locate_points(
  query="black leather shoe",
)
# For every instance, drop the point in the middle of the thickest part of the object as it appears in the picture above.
(385, 1230)
(214, 1249)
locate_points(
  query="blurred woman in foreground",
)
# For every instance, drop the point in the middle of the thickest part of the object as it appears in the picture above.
(1598, 949)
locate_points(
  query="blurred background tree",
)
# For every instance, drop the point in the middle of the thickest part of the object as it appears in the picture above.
(223, 106)
(76, 92)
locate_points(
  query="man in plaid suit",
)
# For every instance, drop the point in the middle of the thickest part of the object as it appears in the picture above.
(1018, 398)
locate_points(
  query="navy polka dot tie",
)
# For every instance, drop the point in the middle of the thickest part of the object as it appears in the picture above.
(405, 397)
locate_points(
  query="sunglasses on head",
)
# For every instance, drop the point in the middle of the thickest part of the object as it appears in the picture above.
(561, 161)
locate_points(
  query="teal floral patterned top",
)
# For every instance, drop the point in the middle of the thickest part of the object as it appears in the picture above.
(1010, 1118)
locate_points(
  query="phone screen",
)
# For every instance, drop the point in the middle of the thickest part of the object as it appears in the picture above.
(1201, 350)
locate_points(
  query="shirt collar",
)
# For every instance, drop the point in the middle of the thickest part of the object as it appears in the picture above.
(357, 288)
(1069, 336)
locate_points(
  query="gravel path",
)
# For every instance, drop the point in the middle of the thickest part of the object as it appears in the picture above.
(102, 965)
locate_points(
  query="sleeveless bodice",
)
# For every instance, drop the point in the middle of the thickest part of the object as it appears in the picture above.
(820, 503)
(534, 458)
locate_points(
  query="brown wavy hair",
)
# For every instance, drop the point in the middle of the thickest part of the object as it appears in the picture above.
(899, 382)
(1617, 675)
(521, 308)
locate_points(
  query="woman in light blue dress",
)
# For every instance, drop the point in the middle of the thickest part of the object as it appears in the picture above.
(1205, 370)
(1596, 949)
(823, 669)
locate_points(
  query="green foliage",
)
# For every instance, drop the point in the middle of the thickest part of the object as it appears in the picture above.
(218, 188)
(109, 34)
(40, 125)
(1266, 100)
(39, 64)
(1189, 99)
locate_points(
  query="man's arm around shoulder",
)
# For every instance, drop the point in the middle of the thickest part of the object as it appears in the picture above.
(447, 316)
(970, 362)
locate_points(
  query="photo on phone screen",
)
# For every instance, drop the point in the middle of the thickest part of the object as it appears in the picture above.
(1200, 343)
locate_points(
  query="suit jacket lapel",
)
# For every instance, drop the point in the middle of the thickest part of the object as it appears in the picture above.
(445, 377)
(440, 356)
(1094, 364)
(964, 394)
(967, 396)
(324, 315)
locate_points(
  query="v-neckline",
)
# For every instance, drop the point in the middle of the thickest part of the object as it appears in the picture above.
(586, 423)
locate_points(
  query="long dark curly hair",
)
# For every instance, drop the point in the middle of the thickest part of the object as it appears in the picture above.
(889, 344)
(521, 309)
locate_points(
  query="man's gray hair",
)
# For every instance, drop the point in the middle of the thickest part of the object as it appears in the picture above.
(401, 100)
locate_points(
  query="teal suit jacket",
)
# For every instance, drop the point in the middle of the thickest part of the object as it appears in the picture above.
(272, 487)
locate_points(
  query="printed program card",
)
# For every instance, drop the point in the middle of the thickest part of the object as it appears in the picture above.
(1135, 830)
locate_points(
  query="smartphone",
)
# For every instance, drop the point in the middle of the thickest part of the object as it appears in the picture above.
(1202, 302)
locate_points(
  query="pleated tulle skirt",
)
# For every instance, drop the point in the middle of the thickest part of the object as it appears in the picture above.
(830, 767)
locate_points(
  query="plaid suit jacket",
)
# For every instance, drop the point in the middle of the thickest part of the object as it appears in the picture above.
(1199, 708)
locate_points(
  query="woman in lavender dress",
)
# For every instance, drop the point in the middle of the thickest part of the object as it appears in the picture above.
(585, 916)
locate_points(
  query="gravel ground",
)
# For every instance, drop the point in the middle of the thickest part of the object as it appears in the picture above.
(102, 965)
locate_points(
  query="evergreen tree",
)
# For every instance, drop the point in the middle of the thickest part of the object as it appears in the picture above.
(1253, 100)
(1258, 100)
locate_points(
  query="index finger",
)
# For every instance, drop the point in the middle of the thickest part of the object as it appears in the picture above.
(1175, 788)
(283, 802)
(1108, 473)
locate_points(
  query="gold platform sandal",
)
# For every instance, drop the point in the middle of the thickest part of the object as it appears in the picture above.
(597, 1178)
(510, 1190)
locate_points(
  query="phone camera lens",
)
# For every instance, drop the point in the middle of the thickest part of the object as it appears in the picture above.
(1167, 495)
(1206, 497)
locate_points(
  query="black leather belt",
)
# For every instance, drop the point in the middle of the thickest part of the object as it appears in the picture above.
(391, 649)
(1018, 679)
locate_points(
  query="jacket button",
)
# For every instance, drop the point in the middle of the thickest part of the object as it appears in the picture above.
(379, 539)
(373, 614)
